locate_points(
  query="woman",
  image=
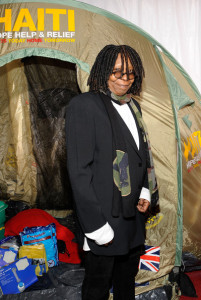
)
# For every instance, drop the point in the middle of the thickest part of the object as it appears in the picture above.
(109, 163)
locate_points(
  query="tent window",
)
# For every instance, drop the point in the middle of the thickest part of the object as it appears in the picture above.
(187, 121)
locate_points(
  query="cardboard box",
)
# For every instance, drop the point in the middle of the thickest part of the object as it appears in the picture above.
(7, 256)
(17, 276)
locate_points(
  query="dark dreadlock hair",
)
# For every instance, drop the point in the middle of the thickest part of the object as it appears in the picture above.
(104, 64)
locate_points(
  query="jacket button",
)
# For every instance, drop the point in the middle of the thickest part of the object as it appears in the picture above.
(140, 164)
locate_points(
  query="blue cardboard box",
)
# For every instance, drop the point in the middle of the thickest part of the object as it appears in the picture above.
(7, 256)
(17, 276)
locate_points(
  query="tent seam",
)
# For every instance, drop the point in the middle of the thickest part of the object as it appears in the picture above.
(179, 234)
(47, 52)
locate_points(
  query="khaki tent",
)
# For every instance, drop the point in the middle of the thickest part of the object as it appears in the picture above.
(46, 51)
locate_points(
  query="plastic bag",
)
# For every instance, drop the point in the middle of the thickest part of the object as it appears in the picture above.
(11, 242)
(38, 255)
(45, 235)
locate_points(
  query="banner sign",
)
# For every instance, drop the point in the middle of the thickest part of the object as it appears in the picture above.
(42, 25)
(192, 150)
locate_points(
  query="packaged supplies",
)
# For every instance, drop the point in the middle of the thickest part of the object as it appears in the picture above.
(38, 217)
(45, 235)
(7, 256)
(17, 276)
(38, 255)
(10, 242)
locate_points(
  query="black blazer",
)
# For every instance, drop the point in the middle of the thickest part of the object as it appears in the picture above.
(89, 162)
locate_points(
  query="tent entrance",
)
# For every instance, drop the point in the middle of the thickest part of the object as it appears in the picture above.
(36, 126)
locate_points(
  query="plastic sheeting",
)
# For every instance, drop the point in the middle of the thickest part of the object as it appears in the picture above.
(62, 283)
(163, 293)
(67, 293)
(74, 293)
(167, 292)
(190, 262)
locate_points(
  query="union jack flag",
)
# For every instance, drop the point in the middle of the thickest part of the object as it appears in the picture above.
(150, 261)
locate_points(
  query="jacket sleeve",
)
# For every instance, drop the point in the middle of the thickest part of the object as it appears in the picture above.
(80, 141)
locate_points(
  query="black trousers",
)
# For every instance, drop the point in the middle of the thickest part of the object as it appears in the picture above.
(104, 272)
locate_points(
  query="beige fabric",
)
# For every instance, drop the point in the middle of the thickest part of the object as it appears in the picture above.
(176, 293)
(59, 213)
(191, 180)
(18, 172)
(191, 149)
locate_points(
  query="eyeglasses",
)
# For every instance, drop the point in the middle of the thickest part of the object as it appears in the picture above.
(119, 74)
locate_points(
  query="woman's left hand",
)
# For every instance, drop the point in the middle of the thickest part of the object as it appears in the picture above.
(143, 205)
